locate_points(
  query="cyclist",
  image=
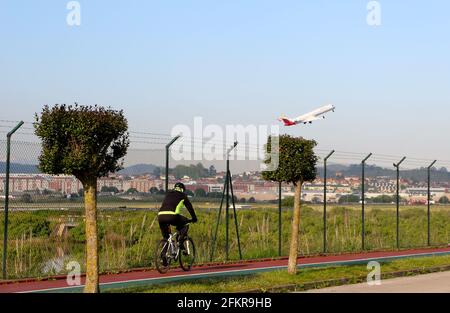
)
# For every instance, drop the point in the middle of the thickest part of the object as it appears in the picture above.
(169, 213)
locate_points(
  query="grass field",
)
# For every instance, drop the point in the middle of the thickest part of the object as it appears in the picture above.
(303, 280)
(128, 237)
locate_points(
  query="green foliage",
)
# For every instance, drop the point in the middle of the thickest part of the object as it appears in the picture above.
(214, 195)
(193, 171)
(26, 198)
(349, 199)
(444, 200)
(109, 189)
(84, 141)
(78, 233)
(200, 193)
(212, 170)
(384, 199)
(153, 190)
(297, 160)
(132, 191)
(35, 225)
(287, 202)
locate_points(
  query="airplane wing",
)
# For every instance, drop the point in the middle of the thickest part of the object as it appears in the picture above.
(311, 118)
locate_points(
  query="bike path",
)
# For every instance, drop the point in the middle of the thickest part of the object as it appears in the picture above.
(150, 277)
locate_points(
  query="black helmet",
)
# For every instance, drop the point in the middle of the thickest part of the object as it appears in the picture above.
(179, 187)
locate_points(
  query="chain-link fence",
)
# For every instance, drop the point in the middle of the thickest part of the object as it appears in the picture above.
(46, 215)
(345, 220)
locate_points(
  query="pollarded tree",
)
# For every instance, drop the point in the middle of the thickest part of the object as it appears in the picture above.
(297, 165)
(87, 142)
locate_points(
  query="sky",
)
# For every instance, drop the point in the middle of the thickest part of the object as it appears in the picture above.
(240, 62)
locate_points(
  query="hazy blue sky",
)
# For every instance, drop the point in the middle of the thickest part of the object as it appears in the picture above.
(240, 62)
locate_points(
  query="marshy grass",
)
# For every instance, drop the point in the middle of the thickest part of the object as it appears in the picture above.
(128, 238)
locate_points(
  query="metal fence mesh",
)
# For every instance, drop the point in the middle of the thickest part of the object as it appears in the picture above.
(46, 217)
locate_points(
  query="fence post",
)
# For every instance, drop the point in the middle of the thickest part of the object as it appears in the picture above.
(227, 208)
(363, 199)
(279, 218)
(397, 166)
(429, 200)
(5, 235)
(325, 200)
(167, 160)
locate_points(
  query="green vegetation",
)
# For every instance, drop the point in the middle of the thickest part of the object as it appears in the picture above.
(200, 193)
(26, 198)
(349, 199)
(444, 200)
(193, 171)
(296, 165)
(87, 142)
(132, 191)
(109, 189)
(269, 280)
(127, 237)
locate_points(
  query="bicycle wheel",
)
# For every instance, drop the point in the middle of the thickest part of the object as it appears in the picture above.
(187, 255)
(162, 262)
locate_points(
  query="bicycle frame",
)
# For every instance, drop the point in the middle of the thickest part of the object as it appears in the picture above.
(172, 248)
(171, 251)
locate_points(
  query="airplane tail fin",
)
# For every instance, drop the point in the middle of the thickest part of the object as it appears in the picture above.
(286, 121)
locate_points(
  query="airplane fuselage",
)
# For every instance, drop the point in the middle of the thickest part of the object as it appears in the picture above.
(308, 117)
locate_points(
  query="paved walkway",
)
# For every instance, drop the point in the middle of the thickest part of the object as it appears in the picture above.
(150, 276)
(427, 283)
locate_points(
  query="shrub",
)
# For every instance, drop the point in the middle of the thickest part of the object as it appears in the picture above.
(38, 226)
(78, 233)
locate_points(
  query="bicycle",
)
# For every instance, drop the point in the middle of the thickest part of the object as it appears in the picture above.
(169, 250)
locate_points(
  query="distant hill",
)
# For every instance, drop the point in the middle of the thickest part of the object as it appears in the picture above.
(439, 175)
(138, 169)
(18, 168)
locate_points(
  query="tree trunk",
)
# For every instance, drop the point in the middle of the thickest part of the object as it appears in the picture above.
(293, 252)
(90, 205)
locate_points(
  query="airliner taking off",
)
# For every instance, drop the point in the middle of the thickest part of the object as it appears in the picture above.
(308, 117)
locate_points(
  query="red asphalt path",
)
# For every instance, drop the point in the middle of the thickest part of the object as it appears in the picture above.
(59, 283)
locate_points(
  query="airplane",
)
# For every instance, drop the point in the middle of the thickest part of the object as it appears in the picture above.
(308, 117)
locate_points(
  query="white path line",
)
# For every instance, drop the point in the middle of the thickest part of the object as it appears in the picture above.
(228, 273)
